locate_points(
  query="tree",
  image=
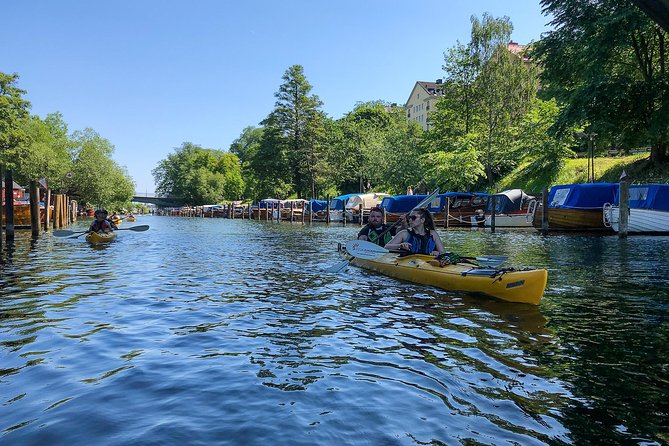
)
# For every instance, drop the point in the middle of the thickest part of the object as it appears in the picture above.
(199, 176)
(506, 85)
(13, 116)
(607, 63)
(299, 122)
(96, 178)
(246, 148)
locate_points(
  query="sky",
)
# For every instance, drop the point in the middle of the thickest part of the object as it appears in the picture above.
(149, 75)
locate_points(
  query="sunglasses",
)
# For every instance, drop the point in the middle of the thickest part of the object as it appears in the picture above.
(413, 217)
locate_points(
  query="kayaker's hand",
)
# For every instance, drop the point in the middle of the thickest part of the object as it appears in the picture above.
(405, 246)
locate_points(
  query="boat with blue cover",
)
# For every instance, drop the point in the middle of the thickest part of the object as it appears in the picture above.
(648, 210)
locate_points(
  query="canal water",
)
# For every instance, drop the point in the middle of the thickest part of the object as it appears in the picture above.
(211, 331)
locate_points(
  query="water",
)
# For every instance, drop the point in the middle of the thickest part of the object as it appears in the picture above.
(204, 331)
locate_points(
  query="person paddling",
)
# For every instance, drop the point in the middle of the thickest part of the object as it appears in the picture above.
(375, 231)
(101, 224)
(420, 238)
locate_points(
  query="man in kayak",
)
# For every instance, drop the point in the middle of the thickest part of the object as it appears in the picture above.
(420, 238)
(375, 231)
(101, 224)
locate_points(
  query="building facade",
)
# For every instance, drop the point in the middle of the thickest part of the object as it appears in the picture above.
(422, 100)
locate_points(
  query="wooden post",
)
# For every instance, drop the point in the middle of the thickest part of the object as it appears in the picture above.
(9, 205)
(311, 212)
(68, 220)
(267, 211)
(327, 210)
(360, 213)
(34, 209)
(343, 214)
(232, 211)
(448, 211)
(492, 214)
(75, 208)
(623, 208)
(544, 211)
(304, 210)
(292, 210)
(251, 211)
(56, 211)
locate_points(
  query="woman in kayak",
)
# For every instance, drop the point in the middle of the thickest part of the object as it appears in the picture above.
(420, 238)
(100, 224)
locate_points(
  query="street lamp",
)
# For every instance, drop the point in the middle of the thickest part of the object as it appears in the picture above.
(591, 153)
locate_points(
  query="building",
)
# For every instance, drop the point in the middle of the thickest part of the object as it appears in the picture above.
(422, 99)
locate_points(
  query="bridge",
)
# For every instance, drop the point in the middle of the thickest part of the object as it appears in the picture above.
(166, 202)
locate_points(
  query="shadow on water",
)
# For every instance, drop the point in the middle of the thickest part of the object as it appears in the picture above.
(233, 329)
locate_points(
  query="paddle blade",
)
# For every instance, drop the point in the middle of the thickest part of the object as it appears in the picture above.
(139, 228)
(365, 250)
(492, 261)
(337, 267)
(63, 233)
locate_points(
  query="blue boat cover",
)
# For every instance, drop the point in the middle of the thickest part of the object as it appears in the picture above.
(648, 196)
(439, 202)
(582, 196)
(508, 201)
(338, 203)
(401, 203)
(317, 205)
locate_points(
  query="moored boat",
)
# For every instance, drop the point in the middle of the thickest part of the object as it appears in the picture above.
(455, 209)
(648, 210)
(100, 237)
(519, 286)
(349, 205)
(399, 205)
(131, 219)
(511, 210)
(576, 207)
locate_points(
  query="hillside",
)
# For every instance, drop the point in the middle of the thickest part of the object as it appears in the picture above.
(638, 168)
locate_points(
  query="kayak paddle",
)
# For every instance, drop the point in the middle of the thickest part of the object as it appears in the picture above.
(67, 232)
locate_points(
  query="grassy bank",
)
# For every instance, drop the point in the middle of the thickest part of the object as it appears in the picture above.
(638, 167)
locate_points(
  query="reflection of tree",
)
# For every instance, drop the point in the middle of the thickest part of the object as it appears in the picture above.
(612, 330)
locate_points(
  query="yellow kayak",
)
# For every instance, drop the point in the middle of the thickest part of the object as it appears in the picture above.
(505, 284)
(131, 219)
(97, 237)
(117, 222)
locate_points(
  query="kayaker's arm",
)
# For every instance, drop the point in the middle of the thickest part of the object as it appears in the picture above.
(438, 244)
(396, 243)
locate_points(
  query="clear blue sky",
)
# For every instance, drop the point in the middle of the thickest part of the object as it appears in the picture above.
(151, 74)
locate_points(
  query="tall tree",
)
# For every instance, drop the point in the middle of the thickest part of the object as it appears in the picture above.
(507, 86)
(300, 122)
(607, 63)
(13, 116)
(246, 148)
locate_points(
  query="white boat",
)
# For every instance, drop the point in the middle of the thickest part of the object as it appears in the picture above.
(513, 209)
(350, 204)
(648, 210)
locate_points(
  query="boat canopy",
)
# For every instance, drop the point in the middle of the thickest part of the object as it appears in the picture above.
(267, 201)
(509, 201)
(439, 202)
(582, 196)
(317, 205)
(351, 201)
(338, 203)
(401, 203)
(648, 196)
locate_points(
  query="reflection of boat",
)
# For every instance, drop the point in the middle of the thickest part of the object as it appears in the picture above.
(100, 237)
(460, 207)
(576, 207)
(350, 204)
(508, 285)
(511, 210)
(648, 209)
(396, 207)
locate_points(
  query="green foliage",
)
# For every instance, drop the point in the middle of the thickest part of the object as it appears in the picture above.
(199, 176)
(246, 148)
(13, 117)
(96, 178)
(606, 62)
(457, 169)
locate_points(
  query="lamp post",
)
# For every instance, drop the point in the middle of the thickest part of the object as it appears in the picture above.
(590, 136)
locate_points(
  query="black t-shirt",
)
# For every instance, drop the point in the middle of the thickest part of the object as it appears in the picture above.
(373, 234)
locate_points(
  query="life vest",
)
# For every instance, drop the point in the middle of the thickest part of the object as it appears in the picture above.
(373, 235)
(421, 244)
(98, 226)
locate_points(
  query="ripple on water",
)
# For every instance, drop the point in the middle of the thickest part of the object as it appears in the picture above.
(205, 331)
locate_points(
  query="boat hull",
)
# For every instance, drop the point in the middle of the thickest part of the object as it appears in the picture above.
(97, 238)
(642, 221)
(511, 286)
(560, 219)
(521, 220)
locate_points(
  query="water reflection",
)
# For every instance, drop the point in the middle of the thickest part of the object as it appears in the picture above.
(231, 330)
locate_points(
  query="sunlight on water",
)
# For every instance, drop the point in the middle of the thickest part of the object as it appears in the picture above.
(204, 331)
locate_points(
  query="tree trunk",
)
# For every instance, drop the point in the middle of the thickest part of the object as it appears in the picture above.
(658, 152)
